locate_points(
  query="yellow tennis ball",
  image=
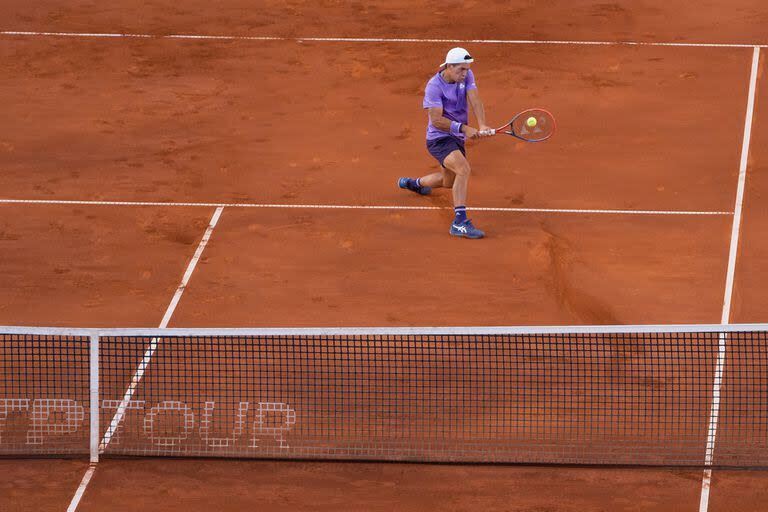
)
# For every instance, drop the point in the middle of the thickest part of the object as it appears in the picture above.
(531, 121)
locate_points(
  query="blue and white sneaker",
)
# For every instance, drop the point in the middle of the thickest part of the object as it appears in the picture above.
(411, 185)
(466, 229)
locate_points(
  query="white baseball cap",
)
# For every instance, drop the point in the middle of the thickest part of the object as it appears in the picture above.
(457, 56)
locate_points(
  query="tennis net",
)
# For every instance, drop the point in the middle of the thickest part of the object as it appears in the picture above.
(645, 395)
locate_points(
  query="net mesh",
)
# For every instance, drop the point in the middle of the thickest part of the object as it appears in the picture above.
(567, 398)
(44, 389)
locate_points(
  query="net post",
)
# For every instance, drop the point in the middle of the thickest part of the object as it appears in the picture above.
(94, 397)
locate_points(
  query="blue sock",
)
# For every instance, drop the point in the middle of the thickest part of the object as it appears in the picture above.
(461, 214)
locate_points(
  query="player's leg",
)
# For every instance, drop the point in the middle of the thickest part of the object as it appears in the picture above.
(449, 178)
(425, 184)
(438, 148)
(442, 179)
(434, 180)
(415, 185)
(457, 164)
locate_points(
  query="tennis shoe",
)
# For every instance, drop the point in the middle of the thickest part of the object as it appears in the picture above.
(410, 184)
(466, 230)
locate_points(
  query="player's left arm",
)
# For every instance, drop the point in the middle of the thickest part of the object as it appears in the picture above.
(477, 106)
(473, 96)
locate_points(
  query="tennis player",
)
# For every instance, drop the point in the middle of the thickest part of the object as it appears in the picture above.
(446, 98)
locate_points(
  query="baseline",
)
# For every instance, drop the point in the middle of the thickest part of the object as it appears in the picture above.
(374, 39)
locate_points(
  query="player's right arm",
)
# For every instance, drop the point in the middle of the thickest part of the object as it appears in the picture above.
(444, 124)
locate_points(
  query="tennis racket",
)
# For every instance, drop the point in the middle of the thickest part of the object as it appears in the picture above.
(532, 125)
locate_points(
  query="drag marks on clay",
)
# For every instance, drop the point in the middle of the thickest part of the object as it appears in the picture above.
(557, 257)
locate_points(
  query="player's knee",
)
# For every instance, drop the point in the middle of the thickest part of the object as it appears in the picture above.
(463, 169)
(460, 168)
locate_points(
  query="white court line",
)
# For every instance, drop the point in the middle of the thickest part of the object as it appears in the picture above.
(374, 39)
(706, 481)
(81, 488)
(120, 413)
(139, 374)
(360, 207)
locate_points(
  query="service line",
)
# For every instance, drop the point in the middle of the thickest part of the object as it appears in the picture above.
(361, 207)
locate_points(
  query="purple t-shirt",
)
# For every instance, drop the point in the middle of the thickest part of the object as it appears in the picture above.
(453, 99)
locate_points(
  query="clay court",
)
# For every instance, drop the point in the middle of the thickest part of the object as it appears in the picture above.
(239, 163)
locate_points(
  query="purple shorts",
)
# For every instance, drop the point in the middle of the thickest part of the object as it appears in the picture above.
(444, 146)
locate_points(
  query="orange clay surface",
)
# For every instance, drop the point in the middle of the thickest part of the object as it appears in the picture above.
(39, 484)
(750, 288)
(335, 268)
(742, 21)
(651, 128)
(74, 266)
(338, 123)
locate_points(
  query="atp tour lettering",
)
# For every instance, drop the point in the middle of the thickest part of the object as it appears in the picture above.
(166, 424)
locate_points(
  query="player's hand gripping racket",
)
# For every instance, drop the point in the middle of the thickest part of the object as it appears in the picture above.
(532, 125)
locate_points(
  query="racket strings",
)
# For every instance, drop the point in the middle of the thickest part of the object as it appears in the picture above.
(541, 129)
